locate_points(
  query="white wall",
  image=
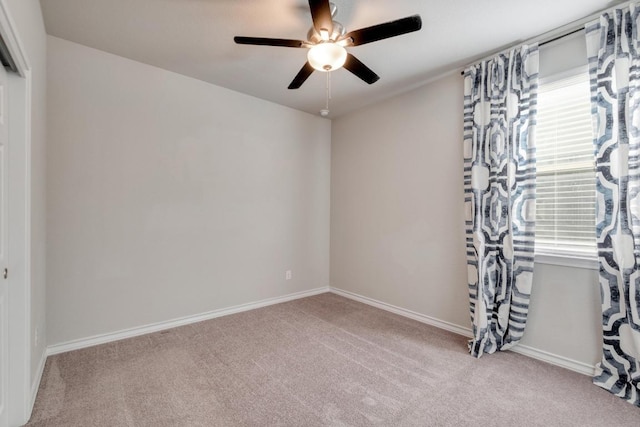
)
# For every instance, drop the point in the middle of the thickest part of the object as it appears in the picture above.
(397, 211)
(397, 226)
(564, 313)
(169, 197)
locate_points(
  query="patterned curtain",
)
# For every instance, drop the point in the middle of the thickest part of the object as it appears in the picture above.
(613, 46)
(499, 187)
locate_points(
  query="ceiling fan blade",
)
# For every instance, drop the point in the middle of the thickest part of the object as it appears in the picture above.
(359, 69)
(385, 31)
(321, 15)
(302, 75)
(264, 41)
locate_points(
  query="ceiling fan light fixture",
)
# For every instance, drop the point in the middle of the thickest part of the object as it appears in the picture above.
(327, 40)
(327, 56)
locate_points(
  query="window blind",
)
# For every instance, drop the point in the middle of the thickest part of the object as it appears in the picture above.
(565, 194)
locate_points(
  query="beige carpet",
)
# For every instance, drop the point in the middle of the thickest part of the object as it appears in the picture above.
(318, 361)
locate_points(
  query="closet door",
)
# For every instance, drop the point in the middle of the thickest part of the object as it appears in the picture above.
(4, 272)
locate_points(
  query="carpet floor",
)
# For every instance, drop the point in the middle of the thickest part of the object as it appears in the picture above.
(318, 361)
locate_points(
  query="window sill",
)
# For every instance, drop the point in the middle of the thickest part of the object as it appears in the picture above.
(575, 260)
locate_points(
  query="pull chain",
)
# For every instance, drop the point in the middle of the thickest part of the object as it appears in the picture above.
(325, 111)
(328, 89)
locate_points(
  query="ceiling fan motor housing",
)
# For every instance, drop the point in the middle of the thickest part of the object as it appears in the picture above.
(335, 35)
(337, 32)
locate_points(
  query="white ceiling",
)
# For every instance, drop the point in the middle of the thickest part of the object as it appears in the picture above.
(195, 38)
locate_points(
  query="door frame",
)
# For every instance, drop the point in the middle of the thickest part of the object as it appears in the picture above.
(22, 388)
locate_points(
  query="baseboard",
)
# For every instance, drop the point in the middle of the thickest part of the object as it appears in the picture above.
(554, 359)
(159, 326)
(35, 384)
(447, 326)
(544, 356)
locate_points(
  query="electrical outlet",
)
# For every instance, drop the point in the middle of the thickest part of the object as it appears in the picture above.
(287, 275)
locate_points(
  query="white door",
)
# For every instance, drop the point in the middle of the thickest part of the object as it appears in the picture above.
(4, 282)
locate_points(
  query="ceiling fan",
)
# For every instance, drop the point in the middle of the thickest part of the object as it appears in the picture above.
(327, 40)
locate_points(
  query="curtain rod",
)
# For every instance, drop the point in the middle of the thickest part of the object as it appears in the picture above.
(571, 28)
(577, 30)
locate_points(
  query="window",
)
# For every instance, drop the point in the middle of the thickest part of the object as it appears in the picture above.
(565, 205)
